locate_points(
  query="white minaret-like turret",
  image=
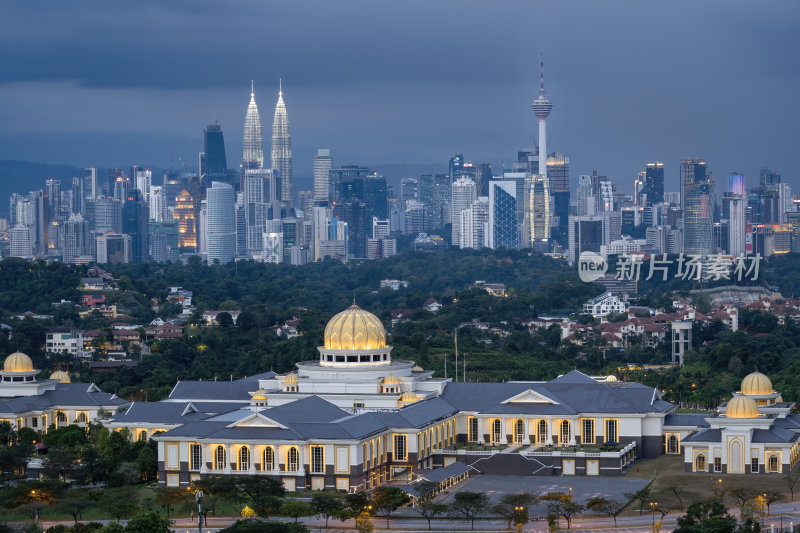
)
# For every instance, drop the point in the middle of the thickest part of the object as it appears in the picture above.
(541, 107)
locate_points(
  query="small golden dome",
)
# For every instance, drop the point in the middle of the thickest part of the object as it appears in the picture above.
(290, 378)
(260, 394)
(391, 379)
(18, 362)
(417, 368)
(611, 379)
(741, 406)
(408, 397)
(60, 375)
(355, 329)
(756, 384)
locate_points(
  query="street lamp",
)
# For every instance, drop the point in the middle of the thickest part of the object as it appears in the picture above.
(653, 506)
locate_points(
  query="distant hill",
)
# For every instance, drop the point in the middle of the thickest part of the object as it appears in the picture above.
(24, 176)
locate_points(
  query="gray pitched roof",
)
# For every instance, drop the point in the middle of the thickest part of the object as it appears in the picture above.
(236, 390)
(705, 435)
(773, 435)
(452, 470)
(65, 394)
(686, 419)
(163, 413)
(573, 393)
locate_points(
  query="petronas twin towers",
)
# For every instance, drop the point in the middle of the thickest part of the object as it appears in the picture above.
(253, 143)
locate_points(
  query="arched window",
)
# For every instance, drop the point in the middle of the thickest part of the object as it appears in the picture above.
(371, 453)
(519, 431)
(772, 464)
(672, 444)
(219, 458)
(541, 432)
(244, 458)
(292, 460)
(269, 458)
(142, 435)
(436, 442)
(700, 463)
(565, 432)
(496, 430)
(82, 417)
(61, 417)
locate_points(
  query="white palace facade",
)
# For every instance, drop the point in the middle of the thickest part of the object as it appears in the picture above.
(354, 418)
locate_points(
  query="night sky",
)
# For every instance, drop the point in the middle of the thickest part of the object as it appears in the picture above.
(116, 83)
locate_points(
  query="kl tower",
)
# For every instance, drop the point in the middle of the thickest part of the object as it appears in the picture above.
(541, 108)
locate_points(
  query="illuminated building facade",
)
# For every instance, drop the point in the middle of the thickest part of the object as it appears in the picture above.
(185, 212)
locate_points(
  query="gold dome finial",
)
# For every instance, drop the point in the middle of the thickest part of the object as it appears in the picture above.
(741, 406)
(61, 376)
(18, 362)
(355, 329)
(756, 384)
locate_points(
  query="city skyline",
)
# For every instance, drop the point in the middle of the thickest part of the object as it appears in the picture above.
(367, 103)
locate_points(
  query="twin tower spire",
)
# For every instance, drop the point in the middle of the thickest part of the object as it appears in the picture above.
(253, 142)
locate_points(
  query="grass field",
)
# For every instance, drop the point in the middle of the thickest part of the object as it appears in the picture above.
(667, 472)
(143, 495)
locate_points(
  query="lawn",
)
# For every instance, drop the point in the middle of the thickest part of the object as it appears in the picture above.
(667, 473)
(143, 495)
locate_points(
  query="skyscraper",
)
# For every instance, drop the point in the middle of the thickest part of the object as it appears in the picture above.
(697, 218)
(252, 142)
(736, 183)
(135, 222)
(537, 210)
(503, 223)
(692, 171)
(463, 195)
(587, 203)
(323, 162)
(282, 148)
(541, 107)
(187, 224)
(221, 224)
(557, 174)
(214, 148)
(654, 182)
(736, 226)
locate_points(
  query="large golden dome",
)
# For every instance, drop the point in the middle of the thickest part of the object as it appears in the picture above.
(18, 362)
(756, 384)
(60, 375)
(355, 329)
(741, 406)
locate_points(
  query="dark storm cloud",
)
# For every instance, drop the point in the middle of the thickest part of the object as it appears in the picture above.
(630, 81)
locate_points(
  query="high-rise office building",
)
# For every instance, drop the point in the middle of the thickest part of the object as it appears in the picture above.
(53, 188)
(107, 215)
(409, 189)
(462, 196)
(221, 222)
(638, 188)
(455, 166)
(347, 183)
(541, 108)
(76, 196)
(20, 243)
(474, 231)
(587, 203)
(585, 234)
(143, 179)
(558, 178)
(736, 184)
(282, 148)
(135, 222)
(692, 171)
(353, 214)
(654, 183)
(77, 238)
(185, 214)
(536, 226)
(214, 148)
(769, 177)
(736, 224)
(90, 182)
(697, 218)
(503, 220)
(323, 162)
(113, 248)
(252, 141)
